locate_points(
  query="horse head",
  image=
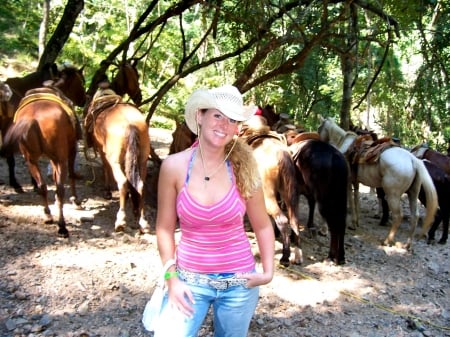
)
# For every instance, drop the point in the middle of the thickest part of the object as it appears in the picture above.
(126, 81)
(71, 82)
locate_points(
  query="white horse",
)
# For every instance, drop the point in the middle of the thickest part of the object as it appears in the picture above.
(397, 171)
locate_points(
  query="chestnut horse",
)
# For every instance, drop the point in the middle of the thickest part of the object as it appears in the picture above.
(119, 133)
(45, 125)
(69, 80)
(323, 177)
(397, 171)
(278, 174)
(126, 81)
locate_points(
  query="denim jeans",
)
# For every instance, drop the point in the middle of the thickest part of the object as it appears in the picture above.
(233, 310)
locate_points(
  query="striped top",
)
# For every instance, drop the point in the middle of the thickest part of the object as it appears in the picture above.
(213, 238)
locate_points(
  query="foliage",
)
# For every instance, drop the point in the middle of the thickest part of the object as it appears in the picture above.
(284, 53)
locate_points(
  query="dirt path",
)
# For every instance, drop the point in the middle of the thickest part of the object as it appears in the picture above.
(97, 282)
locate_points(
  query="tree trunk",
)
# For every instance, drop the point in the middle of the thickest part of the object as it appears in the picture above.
(44, 26)
(62, 32)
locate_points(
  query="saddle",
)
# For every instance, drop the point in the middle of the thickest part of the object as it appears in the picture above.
(365, 150)
(55, 95)
(251, 135)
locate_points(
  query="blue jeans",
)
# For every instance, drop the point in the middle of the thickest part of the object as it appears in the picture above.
(233, 310)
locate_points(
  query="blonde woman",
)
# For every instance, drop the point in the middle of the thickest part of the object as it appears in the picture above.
(207, 189)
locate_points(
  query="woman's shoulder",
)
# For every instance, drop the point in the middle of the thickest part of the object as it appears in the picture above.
(176, 160)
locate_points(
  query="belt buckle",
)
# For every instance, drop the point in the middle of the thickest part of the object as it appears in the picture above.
(218, 284)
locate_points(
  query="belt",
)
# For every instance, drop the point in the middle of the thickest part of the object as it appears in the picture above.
(218, 284)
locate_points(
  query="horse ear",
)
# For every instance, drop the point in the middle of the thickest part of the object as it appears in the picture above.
(321, 118)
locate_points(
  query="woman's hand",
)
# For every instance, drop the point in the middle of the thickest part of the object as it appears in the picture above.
(256, 279)
(180, 296)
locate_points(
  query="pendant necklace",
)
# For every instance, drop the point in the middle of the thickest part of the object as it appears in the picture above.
(207, 177)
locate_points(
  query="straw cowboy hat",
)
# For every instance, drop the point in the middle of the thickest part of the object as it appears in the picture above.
(227, 99)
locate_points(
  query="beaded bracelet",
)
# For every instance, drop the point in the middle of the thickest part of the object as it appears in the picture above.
(170, 274)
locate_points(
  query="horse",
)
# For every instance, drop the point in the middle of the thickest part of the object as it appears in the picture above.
(323, 177)
(126, 81)
(441, 182)
(182, 138)
(397, 171)
(278, 174)
(45, 125)
(119, 133)
(69, 80)
(424, 152)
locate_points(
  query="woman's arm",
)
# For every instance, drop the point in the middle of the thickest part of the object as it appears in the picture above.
(263, 229)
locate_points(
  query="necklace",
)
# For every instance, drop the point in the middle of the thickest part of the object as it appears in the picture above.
(207, 177)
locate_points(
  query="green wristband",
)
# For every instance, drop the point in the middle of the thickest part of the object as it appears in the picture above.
(170, 274)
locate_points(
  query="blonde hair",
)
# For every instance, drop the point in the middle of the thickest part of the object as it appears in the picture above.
(244, 166)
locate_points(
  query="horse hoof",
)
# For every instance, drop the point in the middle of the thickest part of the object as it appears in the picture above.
(63, 232)
(19, 190)
(285, 263)
(119, 228)
(442, 242)
(145, 230)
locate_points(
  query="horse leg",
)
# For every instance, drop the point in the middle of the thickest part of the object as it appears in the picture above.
(395, 207)
(11, 161)
(310, 224)
(445, 225)
(59, 174)
(33, 167)
(352, 203)
(282, 224)
(72, 176)
(355, 204)
(437, 220)
(384, 206)
(122, 185)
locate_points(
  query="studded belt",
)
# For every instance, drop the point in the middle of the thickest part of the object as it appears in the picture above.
(218, 284)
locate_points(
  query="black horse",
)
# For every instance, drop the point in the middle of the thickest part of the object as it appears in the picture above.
(323, 174)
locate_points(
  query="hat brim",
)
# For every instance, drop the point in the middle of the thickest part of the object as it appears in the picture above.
(203, 99)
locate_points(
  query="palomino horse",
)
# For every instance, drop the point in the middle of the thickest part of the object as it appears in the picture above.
(126, 81)
(119, 132)
(69, 80)
(397, 171)
(45, 125)
(441, 182)
(278, 174)
(323, 177)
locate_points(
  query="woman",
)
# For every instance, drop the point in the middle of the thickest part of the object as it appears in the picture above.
(208, 189)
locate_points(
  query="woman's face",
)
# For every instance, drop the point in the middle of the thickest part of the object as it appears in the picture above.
(217, 127)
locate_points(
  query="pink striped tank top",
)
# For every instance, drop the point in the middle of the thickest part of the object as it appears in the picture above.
(213, 238)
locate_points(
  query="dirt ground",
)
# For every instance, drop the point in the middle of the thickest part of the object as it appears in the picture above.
(96, 283)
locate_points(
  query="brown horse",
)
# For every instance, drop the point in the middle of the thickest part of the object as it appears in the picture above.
(278, 173)
(45, 125)
(439, 159)
(69, 80)
(182, 138)
(119, 133)
(126, 81)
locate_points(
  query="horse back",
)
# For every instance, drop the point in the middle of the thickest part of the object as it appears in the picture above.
(112, 126)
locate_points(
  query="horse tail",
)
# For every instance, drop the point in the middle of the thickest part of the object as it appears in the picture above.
(25, 130)
(132, 161)
(430, 194)
(288, 181)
